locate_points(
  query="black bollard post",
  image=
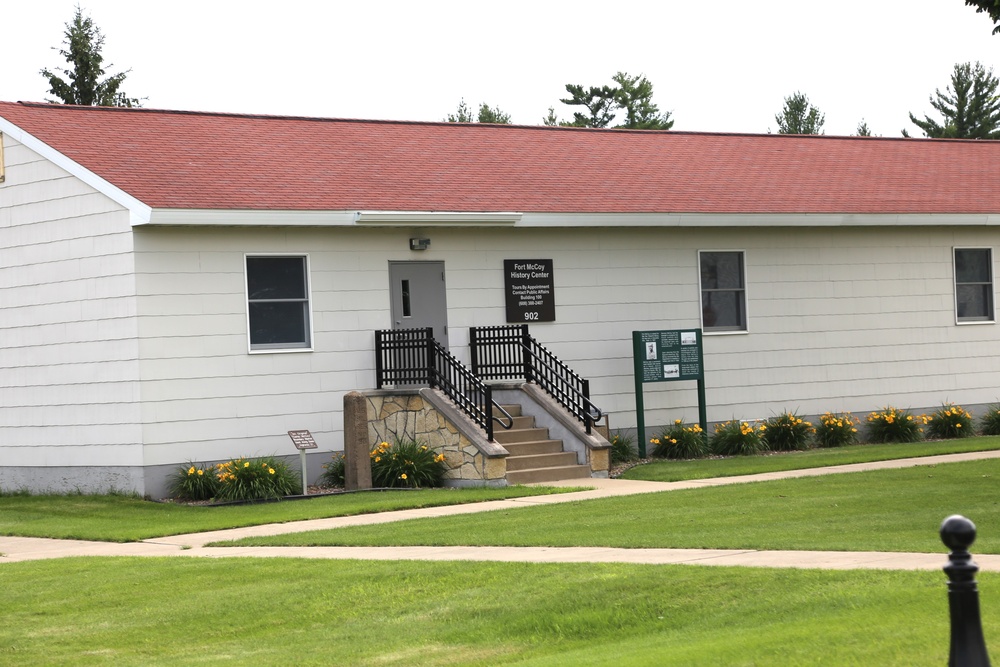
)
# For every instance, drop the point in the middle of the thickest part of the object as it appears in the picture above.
(968, 649)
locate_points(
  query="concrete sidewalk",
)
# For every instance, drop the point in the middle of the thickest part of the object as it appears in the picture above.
(16, 549)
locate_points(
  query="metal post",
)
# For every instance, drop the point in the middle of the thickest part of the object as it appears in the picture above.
(302, 461)
(488, 400)
(432, 380)
(526, 352)
(640, 411)
(968, 649)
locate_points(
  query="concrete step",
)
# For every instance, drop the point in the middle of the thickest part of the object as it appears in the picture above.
(532, 461)
(533, 447)
(513, 410)
(534, 475)
(520, 435)
(519, 422)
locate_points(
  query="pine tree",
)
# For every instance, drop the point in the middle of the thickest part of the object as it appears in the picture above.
(633, 95)
(83, 43)
(969, 106)
(493, 115)
(990, 7)
(798, 116)
(486, 114)
(599, 101)
(462, 115)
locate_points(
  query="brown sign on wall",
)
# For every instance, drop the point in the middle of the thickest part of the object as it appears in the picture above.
(302, 440)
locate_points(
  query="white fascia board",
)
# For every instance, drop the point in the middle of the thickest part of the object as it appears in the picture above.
(437, 218)
(268, 218)
(272, 218)
(687, 220)
(139, 212)
(250, 218)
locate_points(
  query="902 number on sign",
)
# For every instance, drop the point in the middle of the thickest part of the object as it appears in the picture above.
(531, 316)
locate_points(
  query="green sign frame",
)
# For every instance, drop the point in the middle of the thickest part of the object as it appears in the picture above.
(667, 356)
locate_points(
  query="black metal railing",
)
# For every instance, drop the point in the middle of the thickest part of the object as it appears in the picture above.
(414, 357)
(509, 353)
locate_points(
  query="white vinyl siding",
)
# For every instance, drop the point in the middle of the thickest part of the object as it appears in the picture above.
(843, 319)
(69, 371)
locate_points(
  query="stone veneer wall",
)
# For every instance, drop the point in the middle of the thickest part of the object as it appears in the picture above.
(403, 416)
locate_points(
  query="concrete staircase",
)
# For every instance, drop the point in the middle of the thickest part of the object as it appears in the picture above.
(533, 456)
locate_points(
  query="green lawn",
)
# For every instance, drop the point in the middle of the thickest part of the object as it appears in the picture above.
(886, 510)
(118, 518)
(181, 611)
(243, 611)
(674, 471)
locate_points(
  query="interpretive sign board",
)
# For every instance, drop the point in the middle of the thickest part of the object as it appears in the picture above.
(530, 290)
(667, 356)
(302, 440)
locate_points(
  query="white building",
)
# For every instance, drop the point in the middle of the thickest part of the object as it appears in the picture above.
(828, 273)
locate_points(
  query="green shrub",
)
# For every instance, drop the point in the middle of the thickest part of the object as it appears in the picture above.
(333, 472)
(239, 479)
(787, 432)
(894, 425)
(406, 463)
(990, 422)
(194, 482)
(950, 421)
(680, 442)
(622, 450)
(837, 429)
(737, 438)
(255, 479)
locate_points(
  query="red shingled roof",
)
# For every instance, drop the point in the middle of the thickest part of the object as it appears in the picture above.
(171, 159)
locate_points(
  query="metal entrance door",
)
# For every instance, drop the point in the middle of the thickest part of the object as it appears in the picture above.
(418, 297)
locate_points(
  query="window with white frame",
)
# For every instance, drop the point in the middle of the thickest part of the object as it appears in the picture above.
(723, 290)
(278, 302)
(974, 284)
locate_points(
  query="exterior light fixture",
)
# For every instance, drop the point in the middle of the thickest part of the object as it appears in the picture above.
(419, 244)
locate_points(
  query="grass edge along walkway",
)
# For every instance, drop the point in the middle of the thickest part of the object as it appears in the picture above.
(194, 544)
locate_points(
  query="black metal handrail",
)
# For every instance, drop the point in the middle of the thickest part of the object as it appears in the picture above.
(414, 357)
(509, 352)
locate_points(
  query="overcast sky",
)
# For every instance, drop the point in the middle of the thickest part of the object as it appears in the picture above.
(719, 65)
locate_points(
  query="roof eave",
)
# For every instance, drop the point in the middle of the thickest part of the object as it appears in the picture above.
(373, 219)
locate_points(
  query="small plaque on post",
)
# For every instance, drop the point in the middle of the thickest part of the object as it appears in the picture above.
(302, 440)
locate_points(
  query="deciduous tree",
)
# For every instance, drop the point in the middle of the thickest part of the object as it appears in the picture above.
(83, 84)
(969, 106)
(798, 116)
